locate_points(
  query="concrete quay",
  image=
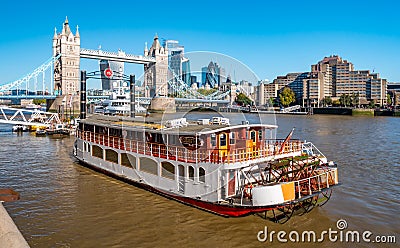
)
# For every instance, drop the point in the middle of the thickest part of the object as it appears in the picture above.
(10, 236)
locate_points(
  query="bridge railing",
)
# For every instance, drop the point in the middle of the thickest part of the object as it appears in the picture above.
(119, 54)
(270, 148)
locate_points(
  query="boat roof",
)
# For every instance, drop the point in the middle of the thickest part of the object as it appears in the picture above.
(155, 125)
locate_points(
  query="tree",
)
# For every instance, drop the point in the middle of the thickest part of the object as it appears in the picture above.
(206, 92)
(243, 100)
(336, 103)
(345, 100)
(271, 101)
(38, 101)
(388, 100)
(355, 99)
(327, 101)
(372, 104)
(287, 96)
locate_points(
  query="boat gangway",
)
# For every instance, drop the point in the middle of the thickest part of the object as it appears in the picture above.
(28, 117)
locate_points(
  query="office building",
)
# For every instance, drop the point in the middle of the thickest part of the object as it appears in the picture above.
(114, 83)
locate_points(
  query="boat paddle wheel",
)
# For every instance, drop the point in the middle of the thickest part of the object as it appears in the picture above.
(304, 181)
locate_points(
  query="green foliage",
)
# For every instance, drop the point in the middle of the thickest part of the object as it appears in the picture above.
(38, 101)
(327, 101)
(355, 99)
(388, 99)
(243, 100)
(336, 103)
(271, 102)
(345, 100)
(350, 100)
(287, 96)
(372, 104)
(206, 92)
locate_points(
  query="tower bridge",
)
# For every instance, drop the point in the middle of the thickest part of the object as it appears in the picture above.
(63, 68)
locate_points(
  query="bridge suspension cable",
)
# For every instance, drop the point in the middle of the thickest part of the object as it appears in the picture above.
(180, 86)
(41, 69)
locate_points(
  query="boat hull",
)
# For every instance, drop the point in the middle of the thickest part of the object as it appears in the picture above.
(225, 210)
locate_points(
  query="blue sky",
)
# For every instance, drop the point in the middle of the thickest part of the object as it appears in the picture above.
(271, 37)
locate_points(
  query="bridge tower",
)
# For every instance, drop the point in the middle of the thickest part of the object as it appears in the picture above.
(156, 74)
(66, 69)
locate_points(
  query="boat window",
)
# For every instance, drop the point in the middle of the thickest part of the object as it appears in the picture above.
(231, 138)
(158, 138)
(168, 170)
(171, 139)
(111, 156)
(213, 140)
(222, 139)
(128, 160)
(139, 136)
(101, 130)
(260, 135)
(97, 151)
(115, 132)
(148, 165)
(253, 135)
(191, 173)
(202, 175)
(88, 127)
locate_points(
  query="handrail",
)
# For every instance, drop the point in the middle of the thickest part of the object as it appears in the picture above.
(308, 186)
(180, 153)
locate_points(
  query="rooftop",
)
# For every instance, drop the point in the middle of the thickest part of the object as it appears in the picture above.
(158, 126)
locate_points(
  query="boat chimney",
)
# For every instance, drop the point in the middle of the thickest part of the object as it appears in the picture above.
(132, 88)
(83, 95)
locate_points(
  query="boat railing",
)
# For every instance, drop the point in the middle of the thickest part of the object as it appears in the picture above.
(323, 180)
(309, 149)
(180, 153)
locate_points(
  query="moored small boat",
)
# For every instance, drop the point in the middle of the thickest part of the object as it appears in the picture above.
(20, 128)
(59, 130)
(40, 132)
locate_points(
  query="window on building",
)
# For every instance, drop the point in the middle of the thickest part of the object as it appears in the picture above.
(260, 135)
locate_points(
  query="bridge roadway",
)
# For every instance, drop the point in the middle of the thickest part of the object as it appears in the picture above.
(116, 56)
(176, 99)
(14, 97)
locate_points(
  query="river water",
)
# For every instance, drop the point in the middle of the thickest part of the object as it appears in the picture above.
(66, 205)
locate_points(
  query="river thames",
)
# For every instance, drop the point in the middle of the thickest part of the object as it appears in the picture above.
(64, 204)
